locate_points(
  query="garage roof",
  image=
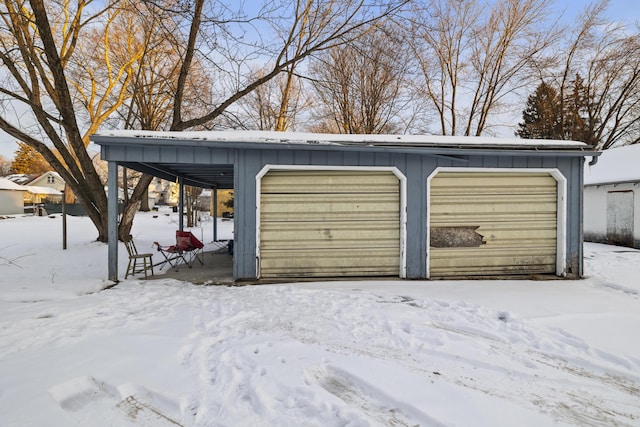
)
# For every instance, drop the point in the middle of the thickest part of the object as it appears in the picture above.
(220, 175)
(6, 184)
(616, 165)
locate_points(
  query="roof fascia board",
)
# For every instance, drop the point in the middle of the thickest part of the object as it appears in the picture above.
(106, 141)
(614, 183)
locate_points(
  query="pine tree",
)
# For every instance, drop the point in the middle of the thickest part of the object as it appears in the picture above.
(28, 161)
(578, 124)
(541, 118)
(545, 117)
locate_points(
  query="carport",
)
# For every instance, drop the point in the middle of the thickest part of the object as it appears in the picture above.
(416, 207)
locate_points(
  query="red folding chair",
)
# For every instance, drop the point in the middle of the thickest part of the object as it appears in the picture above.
(186, 250)
(192, 248)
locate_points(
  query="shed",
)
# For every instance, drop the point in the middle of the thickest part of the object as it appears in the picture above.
(416, 207)
(11, 197)
(611, 208)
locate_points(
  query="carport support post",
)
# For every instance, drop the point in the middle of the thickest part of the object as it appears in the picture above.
(112, 223)
(64, 221)
(215, 213)
(181, 204)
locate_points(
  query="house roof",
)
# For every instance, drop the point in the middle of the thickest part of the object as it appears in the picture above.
(35, 189)
(615, 165)
(21, 178)
(35, 178)
(221, 175)
(6, 184)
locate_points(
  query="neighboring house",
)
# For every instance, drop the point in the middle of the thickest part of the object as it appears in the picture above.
(48, 179)
(160, 193)
(319, 205)
(222, 196)
(35, 195)
(54, 180)
(611, 206)
(11, 197)
(44, 188)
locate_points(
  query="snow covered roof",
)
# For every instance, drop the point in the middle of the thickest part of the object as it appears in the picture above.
(42, 176)
(614, 165)
(21, 178)
(6, 184)
(301, 138)
(167, 154)
(35, 189)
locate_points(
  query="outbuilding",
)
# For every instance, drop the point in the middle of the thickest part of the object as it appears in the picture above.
(416, 207)
(612, 211)
(11, 197)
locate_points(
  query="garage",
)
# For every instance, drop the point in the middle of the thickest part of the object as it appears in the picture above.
(495, 223)
(330, 222)
(309, 205)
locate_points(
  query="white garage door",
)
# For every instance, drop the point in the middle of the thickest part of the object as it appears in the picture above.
(492, 223)
(329, 223)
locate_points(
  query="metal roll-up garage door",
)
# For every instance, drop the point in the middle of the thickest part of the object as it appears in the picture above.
(329, 223)
(492, 224)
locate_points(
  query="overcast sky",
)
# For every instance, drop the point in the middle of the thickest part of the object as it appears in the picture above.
(627, 11)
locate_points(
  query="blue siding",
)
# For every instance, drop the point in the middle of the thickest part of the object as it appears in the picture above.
(415, 166)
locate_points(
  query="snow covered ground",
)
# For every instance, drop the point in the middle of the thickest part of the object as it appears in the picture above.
(353, 353)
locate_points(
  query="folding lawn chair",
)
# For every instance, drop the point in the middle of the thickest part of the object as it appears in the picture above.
(192, 247)
(186, 250)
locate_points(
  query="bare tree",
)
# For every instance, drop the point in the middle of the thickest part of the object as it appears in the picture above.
(71, 88)
(613, 83)
(606, 56)
(304, 27)
(151, 90)
(5, 166)
(359, 87)
(274, 105)
(37, 47)
(473, 55)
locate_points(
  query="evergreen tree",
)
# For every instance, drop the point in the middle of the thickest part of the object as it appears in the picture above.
(578, 124)
(545, 117)
(541, 118)
(28, 161)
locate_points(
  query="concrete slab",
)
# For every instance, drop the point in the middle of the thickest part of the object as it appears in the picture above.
(217, 269)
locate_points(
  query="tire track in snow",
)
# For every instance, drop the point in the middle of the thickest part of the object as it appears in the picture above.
(537, 364)
(374, 403)
(468, 346)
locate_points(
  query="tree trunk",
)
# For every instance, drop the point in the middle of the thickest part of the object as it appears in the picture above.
(144, 201)
(126, 222)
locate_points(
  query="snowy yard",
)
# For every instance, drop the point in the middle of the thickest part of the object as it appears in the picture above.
(353, 353)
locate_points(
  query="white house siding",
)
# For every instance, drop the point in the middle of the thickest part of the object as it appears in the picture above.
(50, 180)
(612, 197)
(11, 198)
(603, 204)
(11, 202)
